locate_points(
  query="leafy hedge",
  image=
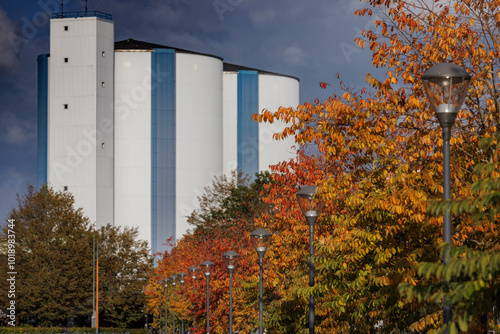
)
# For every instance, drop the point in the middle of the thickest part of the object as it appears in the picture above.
(74, 330)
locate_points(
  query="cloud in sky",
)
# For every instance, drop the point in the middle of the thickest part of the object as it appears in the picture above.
(8, 35)
(260, 18)
(11, 184)
(16, 131)
(295, 56)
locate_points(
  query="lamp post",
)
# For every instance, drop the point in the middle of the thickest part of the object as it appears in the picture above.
(311, 206)
(260, 240)
(159, 311)
(446, 87)
(207, 267)
(181, 276)
(166, 281)
(193, 272)
(231, 260)
(173, 280)
(97, 289)
(95, 279)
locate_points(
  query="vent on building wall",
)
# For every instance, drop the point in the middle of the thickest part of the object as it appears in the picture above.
(65, 28)
(65, 106)
(66, 60)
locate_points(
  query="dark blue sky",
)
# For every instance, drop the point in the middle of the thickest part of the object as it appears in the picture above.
(312, 40)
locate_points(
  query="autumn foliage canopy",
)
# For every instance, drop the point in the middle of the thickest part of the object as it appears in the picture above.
(376, 156)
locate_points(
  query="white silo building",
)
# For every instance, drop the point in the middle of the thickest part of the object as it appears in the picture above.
(75, 112)
(136, 130)
(168, 135)
(249, 146)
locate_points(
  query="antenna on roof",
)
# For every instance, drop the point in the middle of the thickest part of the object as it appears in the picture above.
(62, 6)
(86, 2)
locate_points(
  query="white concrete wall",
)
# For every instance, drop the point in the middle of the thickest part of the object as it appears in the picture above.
(74, 156)
(230, 122)
(198, 130)
(105, 115)
(133, 141)
(274, 92)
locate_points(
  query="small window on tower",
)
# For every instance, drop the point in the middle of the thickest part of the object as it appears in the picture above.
(103, 54)
(66, 60)
(65, 188)
(102, 84)
(65, 28)
(65, 106)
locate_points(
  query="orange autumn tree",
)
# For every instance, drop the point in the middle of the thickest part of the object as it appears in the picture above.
(192, 251)
(378, 163)
(223, 223)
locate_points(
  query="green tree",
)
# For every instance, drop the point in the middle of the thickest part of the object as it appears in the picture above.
(472, 275)
(229, 199)
(53, 242)
(124, 263)
(54, 264)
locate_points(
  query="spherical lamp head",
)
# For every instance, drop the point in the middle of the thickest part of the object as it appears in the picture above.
(173, 280)
(193, 272)
(181, 276)
(446, 87)
(310, 203)
(231, 259)
(260, 240)
(207, 267)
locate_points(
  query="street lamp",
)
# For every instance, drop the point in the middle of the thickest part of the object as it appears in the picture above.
(166, 281)
(260, 240)
(160, 283)
(231, 260)
(181, 276)
(95, 279)
(446, 87)
(193, 272)
(173, 279)
(311, 206)
(207, 267)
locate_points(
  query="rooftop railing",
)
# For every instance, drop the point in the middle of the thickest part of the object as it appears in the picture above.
(93, 13)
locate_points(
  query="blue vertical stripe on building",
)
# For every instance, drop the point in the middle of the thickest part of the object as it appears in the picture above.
(162, 147)
(43, 98)
(248, 130)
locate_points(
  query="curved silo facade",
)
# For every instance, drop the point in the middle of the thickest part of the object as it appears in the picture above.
(249, 146)
(168, 123)
(199, 130)
(132, 121)
(276, 91)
